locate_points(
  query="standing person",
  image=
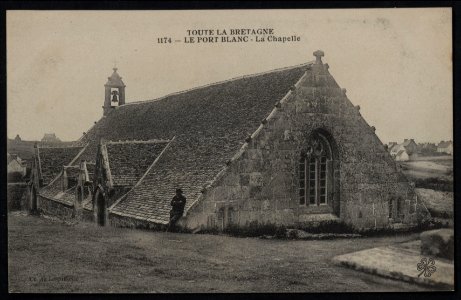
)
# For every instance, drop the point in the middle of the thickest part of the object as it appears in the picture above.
(177, 208)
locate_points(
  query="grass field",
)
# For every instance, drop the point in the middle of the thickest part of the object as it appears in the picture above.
(433, 178)
(430, 172)
(46, 256)
(427, 167)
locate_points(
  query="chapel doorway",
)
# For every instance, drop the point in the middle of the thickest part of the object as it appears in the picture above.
(100, 208)
(33, 199)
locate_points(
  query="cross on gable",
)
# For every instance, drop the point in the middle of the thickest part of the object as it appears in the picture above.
(318, 56)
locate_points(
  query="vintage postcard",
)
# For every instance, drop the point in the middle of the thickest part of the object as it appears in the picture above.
(295, 150)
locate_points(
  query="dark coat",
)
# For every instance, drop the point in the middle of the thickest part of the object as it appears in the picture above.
(178, 203)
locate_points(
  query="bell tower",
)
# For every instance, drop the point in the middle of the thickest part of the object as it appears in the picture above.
(114, 92)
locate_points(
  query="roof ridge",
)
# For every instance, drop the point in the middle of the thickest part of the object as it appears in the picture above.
(79, 154)
(86, 132)
(37, 156)
(217, 83)
(59, 147)
(151, 141)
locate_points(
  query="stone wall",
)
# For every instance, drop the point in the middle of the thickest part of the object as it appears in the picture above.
(16, 196)
(262, 185)
(87, 215)
(122, 221)
(54, 208)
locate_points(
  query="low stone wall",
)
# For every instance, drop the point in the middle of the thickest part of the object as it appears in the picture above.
(121, 221)
(54, 208)
(87, 216)
(17, 196)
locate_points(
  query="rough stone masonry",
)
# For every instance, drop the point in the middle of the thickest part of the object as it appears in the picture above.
(284, 147)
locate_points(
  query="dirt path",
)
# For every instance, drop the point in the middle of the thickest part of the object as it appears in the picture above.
(45, 256)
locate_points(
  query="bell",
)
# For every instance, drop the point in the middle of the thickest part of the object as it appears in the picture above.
(114, 96)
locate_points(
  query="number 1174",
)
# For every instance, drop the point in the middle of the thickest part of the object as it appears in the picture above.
(163, 40)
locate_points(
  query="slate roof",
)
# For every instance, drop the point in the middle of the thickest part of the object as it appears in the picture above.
(54, 191)
(87, 204)
(209, 124)
(68, 196)
(444, 144)
(407, 142)
(53, 159)
(129, 160)
(73, 172)
(51, 190)
(90, 152)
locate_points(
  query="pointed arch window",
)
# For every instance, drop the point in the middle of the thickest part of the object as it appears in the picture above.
(315, 173)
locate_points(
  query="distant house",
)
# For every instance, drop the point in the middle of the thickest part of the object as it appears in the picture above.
(50, 138)
(399, 153)
(405, 151)
(410, 146)
(402, 155)
(427, 148)
(391, 144)
(445, 147)
(15, 164)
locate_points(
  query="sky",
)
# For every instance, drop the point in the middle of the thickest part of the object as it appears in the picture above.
(395, 63)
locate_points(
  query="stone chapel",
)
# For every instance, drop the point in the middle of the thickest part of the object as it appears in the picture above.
(284, 147)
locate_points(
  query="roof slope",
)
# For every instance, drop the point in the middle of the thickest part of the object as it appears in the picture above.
(52, 159)
(128, 161)
(210, 124)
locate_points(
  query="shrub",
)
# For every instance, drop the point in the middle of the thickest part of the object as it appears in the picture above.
(328, 227)
(253, 229)
(386, 231)
(293, 234)
(210, 230)
(434, 183)
(280, 232)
